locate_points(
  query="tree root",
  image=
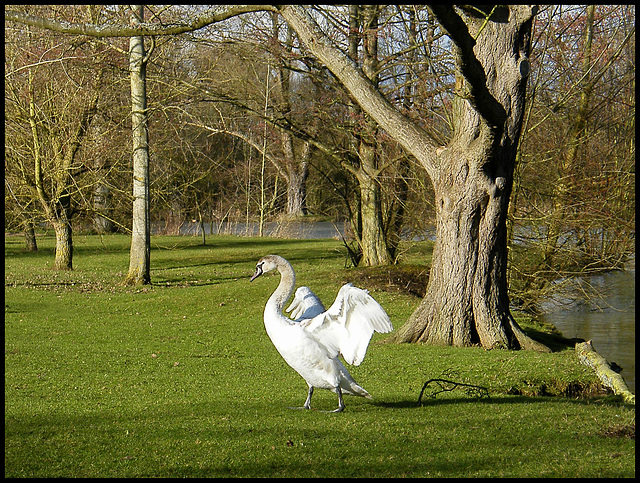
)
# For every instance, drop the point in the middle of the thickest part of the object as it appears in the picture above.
(526, 342)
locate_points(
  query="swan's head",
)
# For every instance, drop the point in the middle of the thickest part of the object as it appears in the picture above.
(265, 265)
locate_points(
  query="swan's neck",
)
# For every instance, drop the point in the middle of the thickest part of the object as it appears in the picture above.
(285, 288)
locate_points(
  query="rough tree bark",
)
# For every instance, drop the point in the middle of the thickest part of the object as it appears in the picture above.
(466, 301)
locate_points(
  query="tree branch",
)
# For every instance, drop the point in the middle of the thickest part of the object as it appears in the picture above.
(213, 15)
(257, 146)
(476, 92)
(412, 137)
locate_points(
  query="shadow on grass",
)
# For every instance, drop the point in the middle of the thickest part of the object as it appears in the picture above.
(162, 244)
(554, 341)
(252, 250)
(214, 439)
(498, 400)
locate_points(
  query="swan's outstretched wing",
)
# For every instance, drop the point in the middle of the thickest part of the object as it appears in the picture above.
(347, 326)
(305, 305)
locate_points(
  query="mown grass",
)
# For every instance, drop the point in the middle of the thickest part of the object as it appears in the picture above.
(179, 379)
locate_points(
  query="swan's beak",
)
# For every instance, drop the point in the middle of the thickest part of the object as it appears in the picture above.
(257, 274)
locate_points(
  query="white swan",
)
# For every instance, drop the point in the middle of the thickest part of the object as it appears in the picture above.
(311, 343)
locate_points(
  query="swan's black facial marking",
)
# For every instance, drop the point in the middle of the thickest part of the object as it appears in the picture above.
(258, 272)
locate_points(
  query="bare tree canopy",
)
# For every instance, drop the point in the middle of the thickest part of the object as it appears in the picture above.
(212, 15)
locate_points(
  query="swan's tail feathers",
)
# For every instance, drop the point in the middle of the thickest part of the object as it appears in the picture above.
(350, 386)
(364, 393)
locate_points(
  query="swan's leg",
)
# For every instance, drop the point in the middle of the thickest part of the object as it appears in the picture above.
(340, 401)
(307, 403)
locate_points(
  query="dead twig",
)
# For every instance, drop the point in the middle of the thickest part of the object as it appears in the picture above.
(446, 385)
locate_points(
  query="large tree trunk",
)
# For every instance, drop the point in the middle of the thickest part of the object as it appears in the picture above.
(139, 256)
(466, 301)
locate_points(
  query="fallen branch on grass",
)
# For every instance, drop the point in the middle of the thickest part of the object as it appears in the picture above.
(589, 357)
(446, 385)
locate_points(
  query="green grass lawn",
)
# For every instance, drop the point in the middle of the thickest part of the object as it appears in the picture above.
(179, 379)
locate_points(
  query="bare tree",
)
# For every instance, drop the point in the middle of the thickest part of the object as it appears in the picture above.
(140, 244)
(139, 258)
(296, 154)
(58, 111)
(363, 27)
(466, 301)
(573, 210)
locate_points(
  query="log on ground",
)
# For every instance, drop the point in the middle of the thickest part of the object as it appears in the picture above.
(588, 356)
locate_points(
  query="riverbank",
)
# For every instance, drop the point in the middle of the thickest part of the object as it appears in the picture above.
(178, 379)
(608, 320)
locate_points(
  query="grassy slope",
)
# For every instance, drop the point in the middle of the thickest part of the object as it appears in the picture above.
(180, 379)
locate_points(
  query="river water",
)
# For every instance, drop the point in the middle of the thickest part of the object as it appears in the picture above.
(290, 229)
(608, 321)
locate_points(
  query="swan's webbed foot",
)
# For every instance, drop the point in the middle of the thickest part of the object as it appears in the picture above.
(307, 403)
(340, 402)
(340, 407)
